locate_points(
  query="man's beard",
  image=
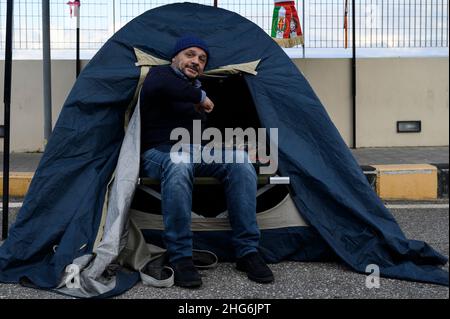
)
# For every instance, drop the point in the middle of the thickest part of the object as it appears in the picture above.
(194, 68)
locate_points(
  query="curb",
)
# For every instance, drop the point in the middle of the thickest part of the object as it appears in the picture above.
(19, 182)
(390, 182)
(408, 181)
(442, 180)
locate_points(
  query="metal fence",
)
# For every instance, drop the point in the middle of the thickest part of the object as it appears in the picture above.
(260, 12)
(379, 23)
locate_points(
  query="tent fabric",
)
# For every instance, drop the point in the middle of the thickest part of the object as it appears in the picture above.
(145, 59)
(62, 212)
(115, 230)
(283, 244)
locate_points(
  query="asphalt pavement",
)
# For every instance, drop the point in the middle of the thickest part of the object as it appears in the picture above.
(427, 221)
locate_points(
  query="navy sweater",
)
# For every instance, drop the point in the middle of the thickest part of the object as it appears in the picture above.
(167, 102)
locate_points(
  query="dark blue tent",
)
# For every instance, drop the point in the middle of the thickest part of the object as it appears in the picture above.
(62, 212)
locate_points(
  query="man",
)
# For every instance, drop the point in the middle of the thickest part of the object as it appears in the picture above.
(171, 98)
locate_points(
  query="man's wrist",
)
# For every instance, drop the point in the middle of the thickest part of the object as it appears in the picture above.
(203, 97)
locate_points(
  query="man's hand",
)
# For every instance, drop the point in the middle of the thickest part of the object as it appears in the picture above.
(207, 106)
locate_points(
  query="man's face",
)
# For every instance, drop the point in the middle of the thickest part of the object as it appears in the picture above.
(191, 62)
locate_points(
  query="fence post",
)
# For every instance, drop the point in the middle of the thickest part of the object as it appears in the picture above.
(47, 71)
(304, 28)
(6, 128)
(78, 39)
(354, 71)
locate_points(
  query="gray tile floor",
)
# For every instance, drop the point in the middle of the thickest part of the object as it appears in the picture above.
(401, 155)
(27, 162)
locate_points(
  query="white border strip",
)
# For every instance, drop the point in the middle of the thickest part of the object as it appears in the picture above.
(13, 205)
(418, 206)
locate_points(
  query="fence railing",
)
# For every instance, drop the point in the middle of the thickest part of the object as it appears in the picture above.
(379, 23)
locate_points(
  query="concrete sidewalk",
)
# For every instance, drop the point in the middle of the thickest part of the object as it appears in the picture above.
(405, 173)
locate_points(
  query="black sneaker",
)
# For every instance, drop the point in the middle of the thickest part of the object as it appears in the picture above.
(255, 267)
(186, 275)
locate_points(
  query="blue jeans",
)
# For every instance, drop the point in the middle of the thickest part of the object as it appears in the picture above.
(239, 181)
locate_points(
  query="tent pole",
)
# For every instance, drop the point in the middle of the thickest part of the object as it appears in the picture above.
(354, 72)
(47, 71)
(215, 3)
(7, 101)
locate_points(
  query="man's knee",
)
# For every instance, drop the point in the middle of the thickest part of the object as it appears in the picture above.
(179, 171)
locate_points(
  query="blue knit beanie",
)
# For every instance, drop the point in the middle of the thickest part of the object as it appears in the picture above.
(188, 42)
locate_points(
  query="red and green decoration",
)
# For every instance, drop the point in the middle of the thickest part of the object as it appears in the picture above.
(286, 29)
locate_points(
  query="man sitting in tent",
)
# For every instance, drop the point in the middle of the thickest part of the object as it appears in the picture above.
(171, 98)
